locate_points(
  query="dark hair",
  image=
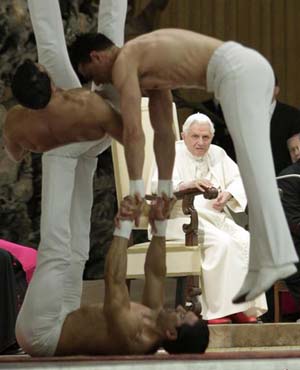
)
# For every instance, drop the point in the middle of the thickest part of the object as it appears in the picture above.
(84, 43)
(190, 339)
(30, 86)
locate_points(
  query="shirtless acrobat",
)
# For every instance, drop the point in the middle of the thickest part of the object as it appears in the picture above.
(46, 327)
(243, 81)
(51, 117)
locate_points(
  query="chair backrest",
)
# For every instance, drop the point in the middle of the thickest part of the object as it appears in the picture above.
(119, 162)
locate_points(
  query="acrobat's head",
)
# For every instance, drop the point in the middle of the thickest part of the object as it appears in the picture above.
(31, 85)
(184, 332)
(92, 56)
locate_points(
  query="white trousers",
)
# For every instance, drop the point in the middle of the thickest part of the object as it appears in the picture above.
(67, 194)
(225, 258)
(224, 264)
(243, 81)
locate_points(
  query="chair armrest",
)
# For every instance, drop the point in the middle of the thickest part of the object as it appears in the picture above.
(187, 196)
(209, 193)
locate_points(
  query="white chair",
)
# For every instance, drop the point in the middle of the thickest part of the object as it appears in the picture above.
(182, 259)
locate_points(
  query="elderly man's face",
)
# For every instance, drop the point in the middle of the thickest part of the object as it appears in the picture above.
(294, 147)
(198, 139)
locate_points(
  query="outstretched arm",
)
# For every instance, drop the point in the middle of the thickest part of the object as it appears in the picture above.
(125, 78)
(161, 116)
(116, 300)
(116, 292)
(155, 264)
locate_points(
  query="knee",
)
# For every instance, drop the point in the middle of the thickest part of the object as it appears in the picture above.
(24, 332)
(218, 247)
(35, 339)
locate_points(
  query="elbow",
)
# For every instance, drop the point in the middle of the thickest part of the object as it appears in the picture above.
(12, 156)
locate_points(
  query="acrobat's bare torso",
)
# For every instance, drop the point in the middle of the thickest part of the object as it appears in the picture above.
(71, 116)
(168, 59)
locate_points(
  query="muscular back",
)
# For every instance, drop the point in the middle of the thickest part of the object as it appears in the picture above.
(167, 59)
(71, 116)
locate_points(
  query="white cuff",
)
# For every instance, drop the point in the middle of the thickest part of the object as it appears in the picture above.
(161, 227)
(137, 186)
(125, 229)
(165, 186)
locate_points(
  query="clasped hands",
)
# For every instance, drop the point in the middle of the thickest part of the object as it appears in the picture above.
(132, 207)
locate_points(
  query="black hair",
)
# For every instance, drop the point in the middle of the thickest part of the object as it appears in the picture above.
(84, 44)
(30, 86)
(190, 339)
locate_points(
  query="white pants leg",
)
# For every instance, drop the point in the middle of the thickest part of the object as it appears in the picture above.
(41, 316)
(111, 20)
(80, 224)
(48, 29)
(243, 81)
(66, 206)
(65, 223)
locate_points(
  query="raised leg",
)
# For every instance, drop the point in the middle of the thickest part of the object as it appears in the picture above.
(245, 95)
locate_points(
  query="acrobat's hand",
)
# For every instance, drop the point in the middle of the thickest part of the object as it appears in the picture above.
(130, 209)
(160, 209)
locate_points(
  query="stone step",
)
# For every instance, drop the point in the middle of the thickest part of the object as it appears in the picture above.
(241, 336)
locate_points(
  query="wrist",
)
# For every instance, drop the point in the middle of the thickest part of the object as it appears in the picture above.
(137, 186)
(166, 187)
(161, 227)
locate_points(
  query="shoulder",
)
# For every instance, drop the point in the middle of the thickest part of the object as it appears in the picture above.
(180, 148)
(218, 156)
(13, 118)
(286, 109)
(217, 153)
(292, 169)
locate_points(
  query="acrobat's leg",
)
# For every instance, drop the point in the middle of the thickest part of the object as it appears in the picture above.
(111, 20)
(41, 316)
(51, 44)
(245, 93)
(80, 223)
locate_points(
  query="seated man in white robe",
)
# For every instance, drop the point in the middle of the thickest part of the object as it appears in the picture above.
(225, 244)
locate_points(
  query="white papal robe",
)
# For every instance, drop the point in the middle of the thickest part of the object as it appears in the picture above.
(224, 244)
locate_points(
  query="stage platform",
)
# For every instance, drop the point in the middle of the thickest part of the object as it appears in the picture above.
(248, 360)
(232, 347)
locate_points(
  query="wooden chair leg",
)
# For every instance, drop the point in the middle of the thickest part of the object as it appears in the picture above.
(186, 287)
(276, 302)
(181, 284)
(128, 283)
